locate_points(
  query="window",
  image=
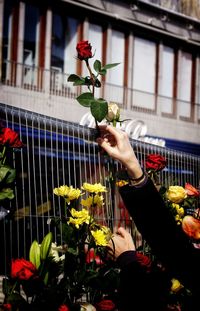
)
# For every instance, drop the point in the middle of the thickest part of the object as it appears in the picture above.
(184, 84)
(115, 76)
(166, 80)
(144, 73)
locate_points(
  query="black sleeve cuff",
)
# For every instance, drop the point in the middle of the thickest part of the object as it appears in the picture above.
(126, 258)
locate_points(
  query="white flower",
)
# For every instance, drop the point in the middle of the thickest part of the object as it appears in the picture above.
(113, 112)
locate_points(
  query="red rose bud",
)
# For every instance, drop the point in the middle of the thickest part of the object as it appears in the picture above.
(155, 162)
(84, 50)
(144, 261)
(22, 269)
(90, 257)
(105, 305)
(191, 191)
(10, 138)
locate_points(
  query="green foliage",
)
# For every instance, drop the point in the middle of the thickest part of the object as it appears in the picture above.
(98, 107)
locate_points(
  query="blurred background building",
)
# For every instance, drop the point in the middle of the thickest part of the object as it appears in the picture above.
(157, 83)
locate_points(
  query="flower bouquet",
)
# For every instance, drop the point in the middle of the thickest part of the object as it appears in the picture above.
(73, 275)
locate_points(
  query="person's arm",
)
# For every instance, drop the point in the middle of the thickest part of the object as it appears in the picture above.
(116, 143)
(150, 214)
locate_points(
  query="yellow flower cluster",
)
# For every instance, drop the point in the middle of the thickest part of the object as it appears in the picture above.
(68, 192)
(94, 188)
(176, 285)
(100, 237)
(91, 201)
(100, 234)
(79, 217)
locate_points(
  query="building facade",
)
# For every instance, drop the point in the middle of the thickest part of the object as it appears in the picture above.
(157, 84)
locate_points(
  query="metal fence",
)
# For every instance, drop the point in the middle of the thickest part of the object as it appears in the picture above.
(55, 153)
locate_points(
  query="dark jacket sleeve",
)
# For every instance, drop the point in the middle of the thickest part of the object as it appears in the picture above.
(158, 227)
(141, 289)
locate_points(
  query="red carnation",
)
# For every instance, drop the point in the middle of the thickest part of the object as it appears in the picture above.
(84, 50)
(22, 269)
(144, 261)
(105, 305)
(155, 162)
(10, 138)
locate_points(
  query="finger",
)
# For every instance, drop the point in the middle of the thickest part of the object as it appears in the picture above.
(105, 145)
(122, 232)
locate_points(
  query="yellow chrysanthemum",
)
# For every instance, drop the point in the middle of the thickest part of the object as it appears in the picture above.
(94, 188)
(79, 217)
(99, 237)
(69, 193)
(121, 183)
(176, 285)
(92, 201)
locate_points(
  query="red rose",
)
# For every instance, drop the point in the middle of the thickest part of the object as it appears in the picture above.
(84, 50)
(144, 261)
(10, 137)
(63, 308)
(105, 305)
(155, 162)
(22, 269)
(90, 257)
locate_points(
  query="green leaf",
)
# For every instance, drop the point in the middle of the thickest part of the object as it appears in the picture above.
(97, 65)
(99, 109)
(34, 254)
(85, 99)
(103, 72)
(73, 78)
(46, 246)
(7, 174)
(6, 193)
(108, 66)
(79, 82)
